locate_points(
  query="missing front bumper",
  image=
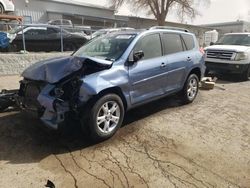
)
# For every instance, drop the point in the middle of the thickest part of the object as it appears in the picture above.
(7, 99)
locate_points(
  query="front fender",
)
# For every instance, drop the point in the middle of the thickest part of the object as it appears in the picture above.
(93, 84)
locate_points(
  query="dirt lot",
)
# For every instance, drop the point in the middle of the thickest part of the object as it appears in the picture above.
(163, 144)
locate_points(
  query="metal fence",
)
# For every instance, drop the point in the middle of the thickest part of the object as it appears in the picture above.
(19, 28)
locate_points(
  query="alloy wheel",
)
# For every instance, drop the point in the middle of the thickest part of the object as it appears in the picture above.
(192, 88)
(108, 117)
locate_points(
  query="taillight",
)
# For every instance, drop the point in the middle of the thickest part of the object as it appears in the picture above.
(202, 50)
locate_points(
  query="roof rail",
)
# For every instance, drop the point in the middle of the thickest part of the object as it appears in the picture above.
(170, 28)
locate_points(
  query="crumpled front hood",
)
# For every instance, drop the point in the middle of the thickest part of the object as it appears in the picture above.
(53, 70)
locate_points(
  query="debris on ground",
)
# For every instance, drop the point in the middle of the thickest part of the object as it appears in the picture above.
(208, 83)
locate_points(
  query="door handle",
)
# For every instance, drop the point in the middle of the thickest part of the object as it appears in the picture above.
(189, 59)
(163, 65)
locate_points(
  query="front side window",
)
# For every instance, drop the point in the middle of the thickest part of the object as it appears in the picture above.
(150, 45)
(172, 43)
(109, 47)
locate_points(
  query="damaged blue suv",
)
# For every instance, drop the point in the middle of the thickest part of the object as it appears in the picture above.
(108, 76)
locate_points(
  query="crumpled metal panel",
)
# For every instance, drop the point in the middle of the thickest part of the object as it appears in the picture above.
(53, 70)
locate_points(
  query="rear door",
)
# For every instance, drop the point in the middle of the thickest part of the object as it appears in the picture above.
(147, 75)
(176, 61)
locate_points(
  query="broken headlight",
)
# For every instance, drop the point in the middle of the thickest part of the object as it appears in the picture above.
(58, 91)
(67, 90)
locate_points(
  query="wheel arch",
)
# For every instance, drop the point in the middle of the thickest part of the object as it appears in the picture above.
(113, 90)
(3, 5)
(196, 71)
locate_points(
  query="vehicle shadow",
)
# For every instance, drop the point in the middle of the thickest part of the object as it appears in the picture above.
(226, 78)
(23, 139)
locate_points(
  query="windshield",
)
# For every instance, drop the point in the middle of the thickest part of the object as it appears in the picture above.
(235, 39)
(109, 47)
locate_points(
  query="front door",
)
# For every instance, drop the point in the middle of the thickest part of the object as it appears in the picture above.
(147, 75)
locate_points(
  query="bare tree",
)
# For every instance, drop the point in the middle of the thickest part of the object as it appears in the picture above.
(161, 8)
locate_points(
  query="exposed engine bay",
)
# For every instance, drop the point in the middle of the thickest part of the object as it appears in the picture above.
(51, 88)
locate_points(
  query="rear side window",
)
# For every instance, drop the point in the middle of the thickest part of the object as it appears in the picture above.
(150, 45)
(172, 43)
(189, 41)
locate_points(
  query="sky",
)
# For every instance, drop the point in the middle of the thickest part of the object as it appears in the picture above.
(218, 11)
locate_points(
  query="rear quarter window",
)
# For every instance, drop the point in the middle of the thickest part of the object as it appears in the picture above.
(189, 41)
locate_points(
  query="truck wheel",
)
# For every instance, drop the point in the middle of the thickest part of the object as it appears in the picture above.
(1, 9)
(246, 75)
(106, 117)
(190, 89)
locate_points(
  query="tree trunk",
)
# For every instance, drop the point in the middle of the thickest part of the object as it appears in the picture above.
(161, 20)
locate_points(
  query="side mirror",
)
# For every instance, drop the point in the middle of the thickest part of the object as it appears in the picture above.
(211, 43)
(138, 55)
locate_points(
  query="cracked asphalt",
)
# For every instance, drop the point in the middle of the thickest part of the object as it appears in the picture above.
(162, 144)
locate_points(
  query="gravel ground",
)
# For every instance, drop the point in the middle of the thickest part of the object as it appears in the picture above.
(162, 144)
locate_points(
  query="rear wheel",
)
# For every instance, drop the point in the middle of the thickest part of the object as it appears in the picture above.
(105, 118)
(1, 9)
(68, 46)
(190, 89)
(12, 48)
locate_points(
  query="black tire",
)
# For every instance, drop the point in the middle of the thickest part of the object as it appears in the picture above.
(12, 48)
(185, 94)
(206, 72)
(69, 46)
(246, 75)
(97, 133)
(1, 9)
(4, 104)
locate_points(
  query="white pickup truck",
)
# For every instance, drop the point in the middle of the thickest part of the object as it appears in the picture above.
(230, 55)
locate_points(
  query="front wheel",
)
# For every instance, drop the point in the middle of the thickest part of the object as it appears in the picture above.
(106, 117)
(190, 89)
(246, 75)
